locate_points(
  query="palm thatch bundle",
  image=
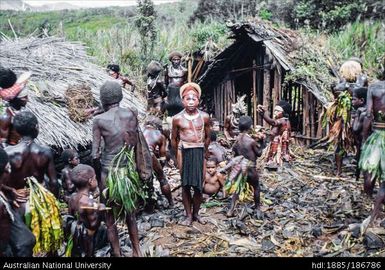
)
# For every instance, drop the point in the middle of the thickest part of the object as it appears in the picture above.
(55, 65)
(79, 98)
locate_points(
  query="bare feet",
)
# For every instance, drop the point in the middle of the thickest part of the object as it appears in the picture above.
(230, 213)
(187, 222)
(258, 214)
(199, 219)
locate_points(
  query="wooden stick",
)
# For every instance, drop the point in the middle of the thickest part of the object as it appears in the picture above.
(254, 93)
(95, 208)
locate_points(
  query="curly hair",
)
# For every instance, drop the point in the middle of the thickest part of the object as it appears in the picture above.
(285, 106)
(68, 154)
(7, 77)
(81, 174)
(245, 123)
(110, 93)
(360, 92)
(25, 123)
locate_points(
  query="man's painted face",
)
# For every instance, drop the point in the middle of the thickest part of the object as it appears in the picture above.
(175, 61)
(190, 101)
(278, 112)
(211, 167)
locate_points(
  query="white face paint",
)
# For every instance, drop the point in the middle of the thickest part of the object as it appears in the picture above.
(278, 112)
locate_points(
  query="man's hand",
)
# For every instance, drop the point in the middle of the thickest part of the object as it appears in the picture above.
(19, 196)
(261, 109)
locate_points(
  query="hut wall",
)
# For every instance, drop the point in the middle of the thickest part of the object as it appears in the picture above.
(224, 96)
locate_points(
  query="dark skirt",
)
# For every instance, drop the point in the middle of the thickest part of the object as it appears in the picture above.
(192, 167)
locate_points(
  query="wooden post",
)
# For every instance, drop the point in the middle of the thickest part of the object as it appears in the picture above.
(189, 68)
(255, 92)
(266, 92)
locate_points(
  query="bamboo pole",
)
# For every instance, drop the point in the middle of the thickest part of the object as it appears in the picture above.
(255, 93)
(266, 92)
(189, 68)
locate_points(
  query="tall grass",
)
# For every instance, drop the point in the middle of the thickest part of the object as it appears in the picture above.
(365, 40)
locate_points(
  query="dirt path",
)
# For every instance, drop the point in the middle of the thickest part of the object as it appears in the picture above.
(307, 212)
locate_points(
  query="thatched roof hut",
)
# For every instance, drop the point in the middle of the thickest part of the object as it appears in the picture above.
(55, 65)
(267, 61)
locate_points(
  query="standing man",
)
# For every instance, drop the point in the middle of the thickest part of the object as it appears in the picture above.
(372, 159)
(118, 127)
(190, 140)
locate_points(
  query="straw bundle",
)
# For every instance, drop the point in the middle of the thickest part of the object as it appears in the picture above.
(55, 65)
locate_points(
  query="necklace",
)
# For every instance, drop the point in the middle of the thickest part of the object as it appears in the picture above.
(190, 117)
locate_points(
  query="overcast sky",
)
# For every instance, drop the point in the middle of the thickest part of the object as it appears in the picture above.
(93, 3)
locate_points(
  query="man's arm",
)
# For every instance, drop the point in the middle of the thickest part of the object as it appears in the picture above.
(368, 116)
(5, 124)
(174, 135)
(51, 173)
(162, 150)
(207, 133)
(96, 139)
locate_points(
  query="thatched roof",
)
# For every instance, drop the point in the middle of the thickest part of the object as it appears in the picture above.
(55, 64)
(286, 46)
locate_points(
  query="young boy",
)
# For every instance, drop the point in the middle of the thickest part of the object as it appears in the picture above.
(358, 117)
(214, 181)
(243, 166)
(71, 160)
(82, 205)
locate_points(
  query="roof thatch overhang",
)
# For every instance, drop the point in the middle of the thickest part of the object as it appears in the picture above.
(56, 64)
(283, 44)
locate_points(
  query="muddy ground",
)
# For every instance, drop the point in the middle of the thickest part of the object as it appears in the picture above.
(307, 212)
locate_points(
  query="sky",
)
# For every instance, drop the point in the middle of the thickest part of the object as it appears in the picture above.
(92, 3)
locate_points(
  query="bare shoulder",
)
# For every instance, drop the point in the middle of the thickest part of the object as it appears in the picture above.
(205, 115)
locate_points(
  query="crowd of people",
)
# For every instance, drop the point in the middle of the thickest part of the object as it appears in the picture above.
(127, 158)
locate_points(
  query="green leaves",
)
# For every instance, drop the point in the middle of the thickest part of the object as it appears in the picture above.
(124, 186)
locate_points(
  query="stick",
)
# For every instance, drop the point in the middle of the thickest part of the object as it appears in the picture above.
(333, 178)
(12, 29)
(255, 93)
(95, 208)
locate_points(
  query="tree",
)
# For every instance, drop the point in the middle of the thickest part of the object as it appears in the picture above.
(145, 23)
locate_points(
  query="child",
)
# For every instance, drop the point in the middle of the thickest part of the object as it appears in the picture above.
(358, 116)
(87, 230)
(71, 160)
(214, 181)
(243, 166)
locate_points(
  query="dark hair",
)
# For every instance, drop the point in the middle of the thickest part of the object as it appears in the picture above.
(7, 77)
(285, 106)
(81, 174)
(113, 67)
(110, 93)
(212, 159)
(245, 123)
(3, 160)
(25, 124)
(213, 136)
(152, 120)
(68, 154)
(360, 92)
